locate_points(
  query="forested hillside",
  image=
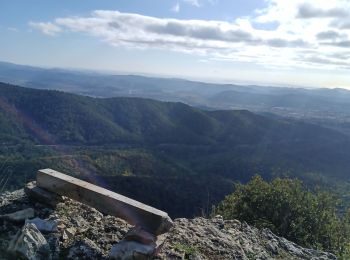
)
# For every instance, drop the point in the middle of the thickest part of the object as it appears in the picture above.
(161, 153)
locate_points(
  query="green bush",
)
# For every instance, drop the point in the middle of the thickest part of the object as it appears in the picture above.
(289, 209)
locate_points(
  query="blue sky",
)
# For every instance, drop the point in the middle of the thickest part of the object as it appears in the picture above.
(300, 42)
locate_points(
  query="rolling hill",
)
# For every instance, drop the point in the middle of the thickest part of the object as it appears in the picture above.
(157, 151)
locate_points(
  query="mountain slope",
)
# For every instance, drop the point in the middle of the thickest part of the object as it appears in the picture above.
(68, 118)
(52, 117)
(161, 148)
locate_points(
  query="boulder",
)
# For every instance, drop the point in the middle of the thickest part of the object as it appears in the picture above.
(69, 233)
(131, 250)
(85, 249)
(19, 216)
(7, 198)
(30, 244)
(45, 226)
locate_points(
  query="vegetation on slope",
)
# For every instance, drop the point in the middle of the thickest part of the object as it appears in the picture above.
(148, 149)
(289, 209)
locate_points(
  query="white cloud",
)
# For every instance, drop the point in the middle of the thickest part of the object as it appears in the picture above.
(193, 2)
(199, 3)
(12, 29)
(308, 33)
(46, 28)
(176, 8)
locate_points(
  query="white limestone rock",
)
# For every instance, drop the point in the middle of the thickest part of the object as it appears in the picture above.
(45, 226)
(30, 244)
(131, 250)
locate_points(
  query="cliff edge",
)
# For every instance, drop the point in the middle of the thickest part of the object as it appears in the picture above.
(30, 229)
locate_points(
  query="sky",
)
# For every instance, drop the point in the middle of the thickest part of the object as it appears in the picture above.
(269, 42)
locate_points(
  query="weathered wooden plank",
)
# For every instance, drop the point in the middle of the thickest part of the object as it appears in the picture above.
(106, 201)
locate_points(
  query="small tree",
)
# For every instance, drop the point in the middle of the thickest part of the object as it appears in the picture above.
(290, 210)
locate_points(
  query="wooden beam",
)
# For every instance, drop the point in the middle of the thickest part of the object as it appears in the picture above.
(108, 202)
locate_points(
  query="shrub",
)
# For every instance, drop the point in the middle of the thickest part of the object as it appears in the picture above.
(289, 209)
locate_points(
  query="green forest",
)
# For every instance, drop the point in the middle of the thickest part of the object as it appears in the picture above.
(172, 156)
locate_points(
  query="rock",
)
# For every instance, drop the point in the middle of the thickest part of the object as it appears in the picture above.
(79, 222)
(275, 244)
(85, 249)
(40, 195)
(69, 233)
(19, 216)
(54, 242)
(61, 226)
(92, 235)
(140, 235)
(64, 236)
(165, 225)
(160, 242)
(30, 244)
(7, 198)
(131, 250)
(220, 239)
(45, 226)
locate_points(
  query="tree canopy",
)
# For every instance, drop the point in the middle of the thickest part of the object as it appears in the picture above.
(309, 218)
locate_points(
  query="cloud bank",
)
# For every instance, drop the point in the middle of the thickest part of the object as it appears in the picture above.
(308, 33)
(47, 28)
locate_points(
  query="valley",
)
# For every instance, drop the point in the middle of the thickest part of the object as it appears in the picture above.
(147, 149)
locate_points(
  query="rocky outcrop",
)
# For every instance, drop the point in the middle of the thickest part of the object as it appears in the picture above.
(29, 243)
(71, 230)
(19, 216)
(230, 239)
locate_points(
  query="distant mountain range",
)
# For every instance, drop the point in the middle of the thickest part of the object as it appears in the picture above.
(294, 102)
(161, 147)
(55, 117)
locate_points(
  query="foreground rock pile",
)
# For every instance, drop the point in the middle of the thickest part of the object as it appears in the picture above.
(30, 229)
